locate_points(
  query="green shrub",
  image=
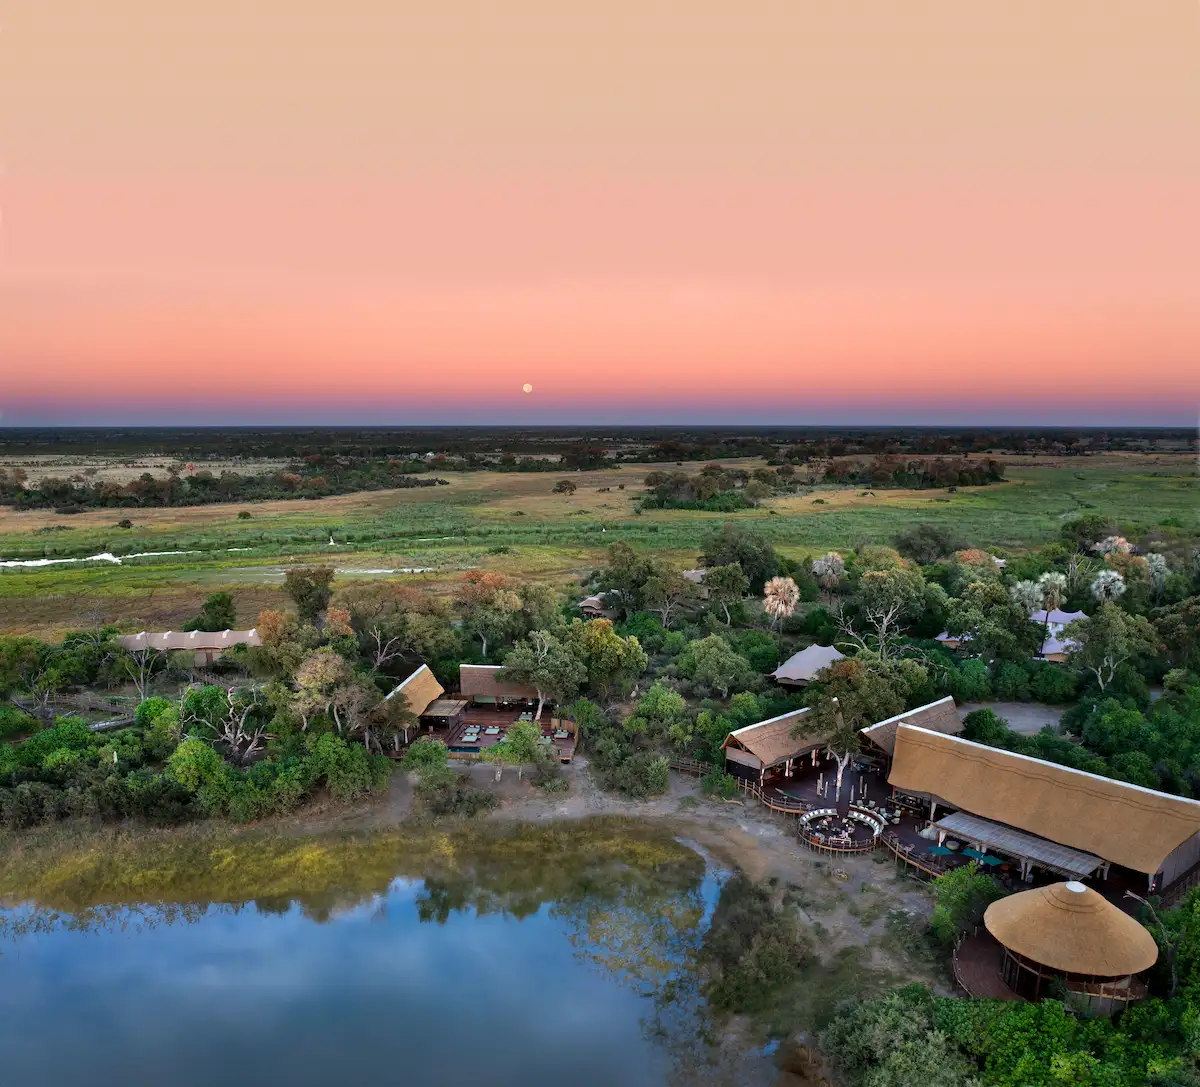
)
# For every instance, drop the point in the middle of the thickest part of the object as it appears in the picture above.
(969, 682)
(719, 784)
(459, 799)
(149, 709)
(1052, 683)
(961, 896)
(1011, 682)
(15, 722)
(642, 775)
(346, 769)
(753, 948)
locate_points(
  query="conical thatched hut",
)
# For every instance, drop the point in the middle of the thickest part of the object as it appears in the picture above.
(1069, 934)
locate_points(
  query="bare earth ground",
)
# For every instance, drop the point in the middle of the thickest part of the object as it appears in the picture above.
(1026, 717)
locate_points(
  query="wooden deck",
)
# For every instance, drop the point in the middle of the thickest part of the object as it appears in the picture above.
(978, 962)
(488, 717)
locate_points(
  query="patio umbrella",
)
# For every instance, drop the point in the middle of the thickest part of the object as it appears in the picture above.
(941, 851)
(990, 860)
(974, 853)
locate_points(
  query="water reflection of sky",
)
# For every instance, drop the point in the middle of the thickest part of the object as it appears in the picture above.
(372, 997)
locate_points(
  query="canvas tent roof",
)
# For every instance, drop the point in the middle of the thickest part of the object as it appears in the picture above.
(1070, 927)
(1016, 843)
(940, 716)
(479, 681)
(190, 639)
(419, 690)
(771, 741)
(803, 666)
(695, 576)
(1056, 616)
(1053, 645)
(1123, 823)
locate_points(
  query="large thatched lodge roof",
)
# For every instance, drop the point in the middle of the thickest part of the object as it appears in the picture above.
(419, 691)
(1070, 927)
(940, 716)
(1123, 823)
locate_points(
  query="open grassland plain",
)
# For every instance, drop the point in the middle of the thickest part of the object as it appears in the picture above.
(513, 522)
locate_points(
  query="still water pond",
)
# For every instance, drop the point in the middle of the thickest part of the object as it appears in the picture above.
(473, 979)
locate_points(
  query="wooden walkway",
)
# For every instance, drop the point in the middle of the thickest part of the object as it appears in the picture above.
(978, 962)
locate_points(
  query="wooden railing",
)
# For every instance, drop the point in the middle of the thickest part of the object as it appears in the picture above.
(785, 805)
(691, 766)
(903, 853)
(1181, 886)
(827, 846)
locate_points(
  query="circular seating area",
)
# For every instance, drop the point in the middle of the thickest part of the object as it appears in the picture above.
(826, 830)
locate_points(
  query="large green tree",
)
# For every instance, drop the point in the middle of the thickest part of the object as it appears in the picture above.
(542, 662)
(726, 585)
(310, 588)
(750, 550)
(613, 663)
(1104, 641)
(216, 613)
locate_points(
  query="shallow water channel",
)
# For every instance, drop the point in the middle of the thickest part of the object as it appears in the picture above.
(482, 973)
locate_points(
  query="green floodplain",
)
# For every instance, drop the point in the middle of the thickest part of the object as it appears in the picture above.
(443, 946)
(513, 523)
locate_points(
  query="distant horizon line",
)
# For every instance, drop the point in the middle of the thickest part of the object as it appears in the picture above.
(664, 425)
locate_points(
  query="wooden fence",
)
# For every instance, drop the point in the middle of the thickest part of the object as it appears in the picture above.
(781, 803)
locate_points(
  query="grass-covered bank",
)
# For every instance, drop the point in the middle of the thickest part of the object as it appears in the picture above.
(71, 866)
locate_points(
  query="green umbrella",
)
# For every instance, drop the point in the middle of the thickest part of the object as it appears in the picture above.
(973, 853)
(940, 851)
(990, 860)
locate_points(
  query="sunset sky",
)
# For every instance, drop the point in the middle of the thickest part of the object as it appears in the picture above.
(402, 211)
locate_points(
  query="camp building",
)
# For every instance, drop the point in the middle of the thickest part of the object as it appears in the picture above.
(940, 716)
(1070, 935)
(1045, 815)
(801, 668)
(204, 645)
(421, 694)
(751, 752)
(480, 683)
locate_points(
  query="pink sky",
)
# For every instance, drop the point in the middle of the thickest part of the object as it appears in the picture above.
(762, 211)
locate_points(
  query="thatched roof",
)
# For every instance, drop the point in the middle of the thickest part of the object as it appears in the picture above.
(198, 640)
(419, 690)
(940, 716)
(803, 666)
(1123, 823)
(1070, 927)
(479, 681)
(771, 741)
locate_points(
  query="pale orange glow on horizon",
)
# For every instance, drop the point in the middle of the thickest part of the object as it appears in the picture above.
(401, 212)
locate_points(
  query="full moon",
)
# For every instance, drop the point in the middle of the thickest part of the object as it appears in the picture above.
(527, 387)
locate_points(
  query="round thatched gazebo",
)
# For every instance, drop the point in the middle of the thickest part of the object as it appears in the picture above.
(1069, 934)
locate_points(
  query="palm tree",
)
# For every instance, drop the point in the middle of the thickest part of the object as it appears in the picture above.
(780, 596)
(1108, 585)
(1027, 595)
(1157, 565)
(1053, 587)
(828, 571)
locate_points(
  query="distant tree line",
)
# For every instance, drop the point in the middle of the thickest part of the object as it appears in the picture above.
(314, 477)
